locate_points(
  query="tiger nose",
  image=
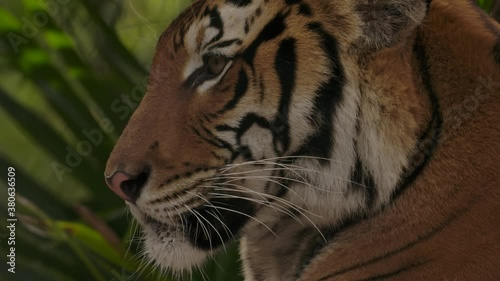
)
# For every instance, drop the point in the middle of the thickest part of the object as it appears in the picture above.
(126, 186)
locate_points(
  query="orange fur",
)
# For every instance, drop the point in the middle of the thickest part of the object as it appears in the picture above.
(447, 223)
(444, 226)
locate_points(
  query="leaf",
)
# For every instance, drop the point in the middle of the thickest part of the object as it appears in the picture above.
(57, 40)
(68, 159)
(8, 22)
(90, 239)
(32, 58)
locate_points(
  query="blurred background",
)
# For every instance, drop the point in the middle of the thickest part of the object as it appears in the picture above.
(71, 74)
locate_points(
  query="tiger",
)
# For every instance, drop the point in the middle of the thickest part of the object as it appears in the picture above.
(332, 139)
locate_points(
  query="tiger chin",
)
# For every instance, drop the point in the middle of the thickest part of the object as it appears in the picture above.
(335, 139)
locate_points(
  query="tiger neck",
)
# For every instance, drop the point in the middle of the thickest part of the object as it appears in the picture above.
(384, 133)
(390, 146)
(398, 112)
(437, 55)
(415, 127)
(376, 133)
(374, 144)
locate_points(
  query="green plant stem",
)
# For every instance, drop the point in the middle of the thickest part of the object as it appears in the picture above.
(79, 252)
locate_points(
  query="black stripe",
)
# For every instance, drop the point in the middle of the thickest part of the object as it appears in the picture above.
(223, 143)
(245, 124)
(429, 141)
(327, 99)
(239, 3)
(226, 43)
(319, 243)
(248, 121)
(225, 128)
(433, 132)
(245, 152)
(215, 22)
(362, 182)
(239, 91)
(423, 238)
(214, 141)
(247, 27)
(272, 30)
(305, 10)
(286, 68)
(182, 23)
(284, 185)
(395, 273)
(178, 194)
(496, 52)
(428, 2)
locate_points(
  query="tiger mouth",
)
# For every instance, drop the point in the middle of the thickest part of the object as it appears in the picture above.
(224, 220)
(207, 226)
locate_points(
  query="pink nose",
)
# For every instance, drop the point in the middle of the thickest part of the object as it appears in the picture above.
(126, 186)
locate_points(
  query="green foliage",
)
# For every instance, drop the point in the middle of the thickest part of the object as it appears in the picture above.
(486, 4)
(65, 67)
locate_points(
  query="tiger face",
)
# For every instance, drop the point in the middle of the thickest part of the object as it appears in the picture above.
(249, 103)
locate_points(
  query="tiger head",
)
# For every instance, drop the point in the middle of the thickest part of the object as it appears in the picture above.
(254, 111)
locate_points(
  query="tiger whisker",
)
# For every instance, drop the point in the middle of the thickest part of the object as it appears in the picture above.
(242, 189)
(183, 223)
(215, 216)
(268, 179)
(220, 236)
(203, 273)
(267, 203)
(272, 159)
(246, 215)
(216, 231)
(203, 227)
(226, 228)
(285, 166)
(261, 202)
(294, 168)
(307, 218)
(135, 226)
(225, 196)
(272, 197)
(144, 263)
(144, 20)
(298, 169)
(137, 256)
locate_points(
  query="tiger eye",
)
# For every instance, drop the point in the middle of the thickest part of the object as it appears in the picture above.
(216, 64)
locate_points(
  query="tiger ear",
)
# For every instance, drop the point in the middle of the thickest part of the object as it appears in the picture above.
(387, 22)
